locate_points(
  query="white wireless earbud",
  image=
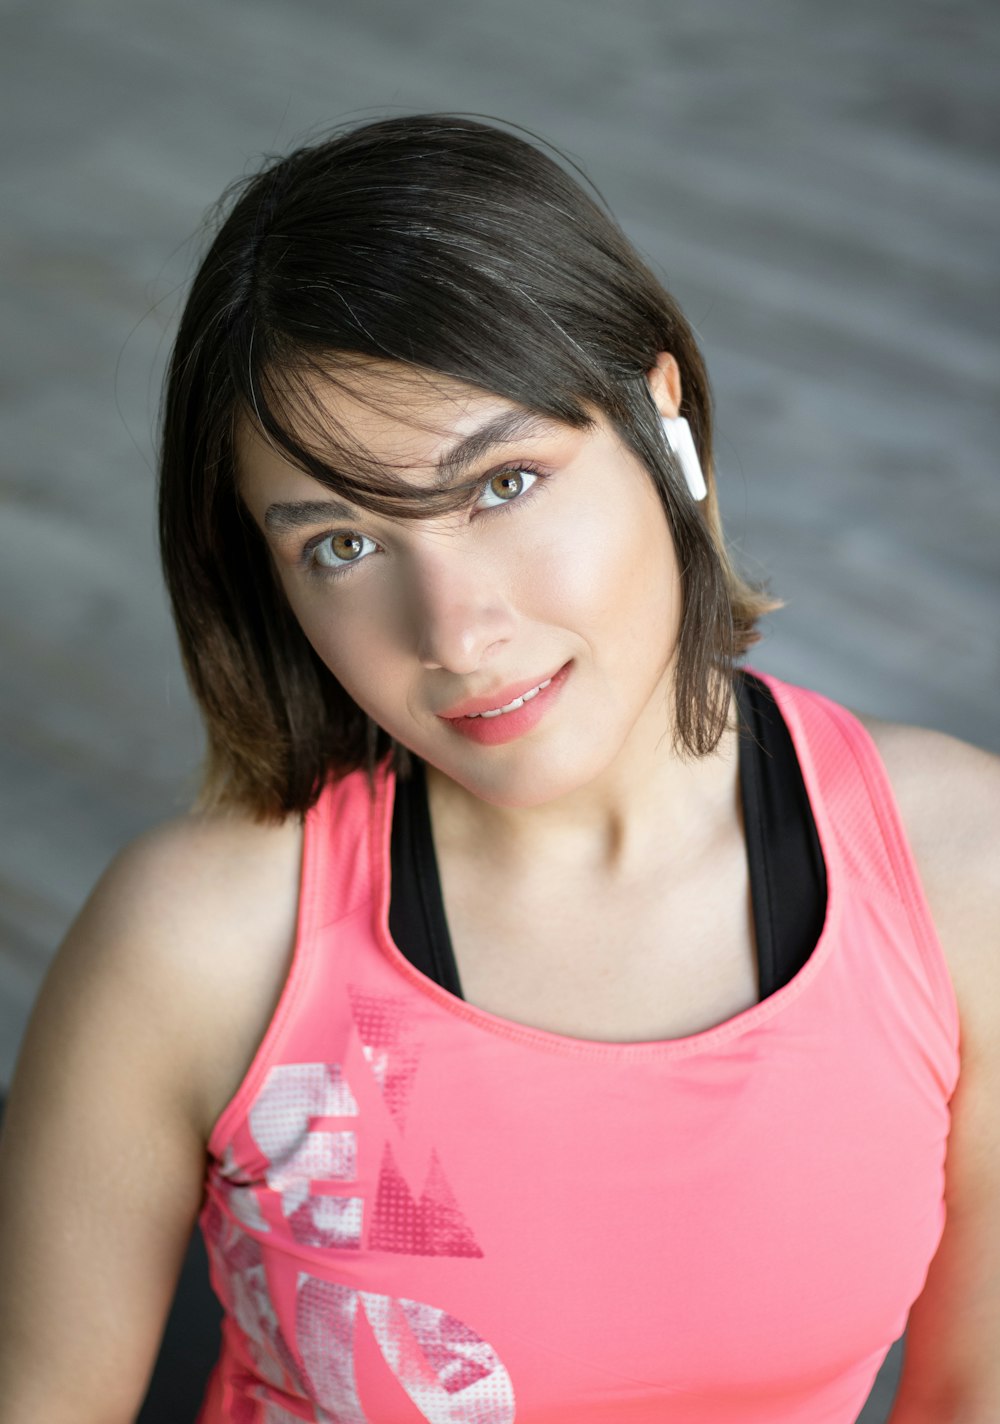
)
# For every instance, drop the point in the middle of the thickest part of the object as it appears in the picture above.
(678, 436)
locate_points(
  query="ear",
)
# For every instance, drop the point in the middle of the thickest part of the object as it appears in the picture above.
(664, 379)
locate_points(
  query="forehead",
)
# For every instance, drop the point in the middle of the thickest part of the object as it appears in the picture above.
(382, 414)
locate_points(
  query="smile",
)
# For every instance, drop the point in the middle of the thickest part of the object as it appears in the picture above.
(513, 706)
(495, 726)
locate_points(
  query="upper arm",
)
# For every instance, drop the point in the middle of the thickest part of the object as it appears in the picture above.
(949, 794)
(132, 1047)
(101, 1173)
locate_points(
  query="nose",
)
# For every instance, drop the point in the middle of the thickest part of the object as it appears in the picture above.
(461, 613)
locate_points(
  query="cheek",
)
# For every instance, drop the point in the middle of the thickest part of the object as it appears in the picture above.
(343, 634)
(616, 568)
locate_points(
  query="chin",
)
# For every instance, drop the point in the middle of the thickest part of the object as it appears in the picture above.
(525, 782)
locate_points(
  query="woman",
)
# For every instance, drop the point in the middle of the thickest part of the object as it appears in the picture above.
(549, 1021)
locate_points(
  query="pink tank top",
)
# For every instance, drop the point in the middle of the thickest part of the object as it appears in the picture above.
(418, 1211)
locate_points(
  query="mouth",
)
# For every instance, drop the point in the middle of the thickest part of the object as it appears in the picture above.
(514, 712)
(512, 706)
(500, 703)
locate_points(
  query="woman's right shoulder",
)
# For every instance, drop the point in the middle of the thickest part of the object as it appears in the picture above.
(191, 927)
(197, 873)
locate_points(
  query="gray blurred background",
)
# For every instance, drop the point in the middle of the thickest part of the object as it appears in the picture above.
(816, 182)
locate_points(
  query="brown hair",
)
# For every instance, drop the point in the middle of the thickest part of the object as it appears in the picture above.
(451, 246)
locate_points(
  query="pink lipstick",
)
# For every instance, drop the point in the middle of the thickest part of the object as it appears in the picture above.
(506, 714)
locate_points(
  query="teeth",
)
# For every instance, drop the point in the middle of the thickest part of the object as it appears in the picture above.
(513, 706)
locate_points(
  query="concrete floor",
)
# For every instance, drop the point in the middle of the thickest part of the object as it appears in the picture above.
(817, 183)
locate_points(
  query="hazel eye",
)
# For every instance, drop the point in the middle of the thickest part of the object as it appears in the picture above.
(345, 547)
(505, 486)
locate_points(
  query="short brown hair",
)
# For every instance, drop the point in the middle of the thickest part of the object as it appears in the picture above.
(455, 247)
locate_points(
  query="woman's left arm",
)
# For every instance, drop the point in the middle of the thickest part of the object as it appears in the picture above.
(949, 796)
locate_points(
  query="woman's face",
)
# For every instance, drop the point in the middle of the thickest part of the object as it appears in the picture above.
(561, 577)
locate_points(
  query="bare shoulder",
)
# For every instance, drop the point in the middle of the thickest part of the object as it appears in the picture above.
(203, 876)
(192, 925)
(949, 796)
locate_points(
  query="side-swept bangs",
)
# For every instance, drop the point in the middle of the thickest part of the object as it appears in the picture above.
(289, 410)
(440, 245)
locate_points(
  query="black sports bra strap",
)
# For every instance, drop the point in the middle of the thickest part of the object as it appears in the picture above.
(787, 872)
(416, 906)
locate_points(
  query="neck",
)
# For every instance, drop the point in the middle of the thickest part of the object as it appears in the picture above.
(651, 807)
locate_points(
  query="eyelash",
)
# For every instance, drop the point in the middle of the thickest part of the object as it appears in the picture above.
(326, 571)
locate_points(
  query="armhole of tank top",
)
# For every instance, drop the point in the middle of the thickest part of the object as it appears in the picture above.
(315, 831)
(899, 854)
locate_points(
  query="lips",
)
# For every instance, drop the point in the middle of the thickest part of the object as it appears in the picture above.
(497, 725)
(517, 702)
(504, 699)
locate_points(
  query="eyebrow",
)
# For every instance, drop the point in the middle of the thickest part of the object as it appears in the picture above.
(284, 518)
(508, 426)
(504, 429)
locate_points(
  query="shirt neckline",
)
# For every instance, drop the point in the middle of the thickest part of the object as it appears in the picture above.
(545, 1039)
